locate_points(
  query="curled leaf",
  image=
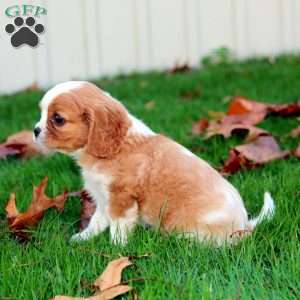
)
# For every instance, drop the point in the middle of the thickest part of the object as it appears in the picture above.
(285, 110)
(227, 130)
(88, 207)
(242, 115)
(108, 294)
(240, 105)
(112, 274)
(19, 222)
(112, 292)
(248, 156)
(108, 284)
(200, 126)
(67, 298)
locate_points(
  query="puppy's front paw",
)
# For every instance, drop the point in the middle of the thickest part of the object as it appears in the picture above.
(78, 237)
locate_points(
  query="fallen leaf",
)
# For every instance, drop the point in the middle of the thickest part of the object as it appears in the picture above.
(200, 126)
(248, 156)
(68, 298)
(180, 68)
(108, 284)
(226, 130)
(295, 132)
(88, 207)
(108, 294)
(10, 150)
(150, 105)
(112, 274)
(20, 144)
(240, 105)
(242, 115)
(285, 110)
(216, 115)
(245, 119)
(19, 222)
(113, 292)
(262, 150)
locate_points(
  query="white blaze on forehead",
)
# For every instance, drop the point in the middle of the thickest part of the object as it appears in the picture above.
(52, 94)
(59, 89)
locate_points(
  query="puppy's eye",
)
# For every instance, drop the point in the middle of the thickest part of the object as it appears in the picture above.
(58, 119)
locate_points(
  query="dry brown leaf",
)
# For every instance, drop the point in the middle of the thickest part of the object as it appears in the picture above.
(200, 126)
(108, 285)
(112, 292)
(216, 115)
(150, 105)
(240, 105)
(111, 276)
(239, 120)
(20, 144)
(67, 298)
(261, 151)
(285, 110)
(88, 207)
(245, 119)
(19, 222)
(242, 115)
(264, 149)
(10, 150)
(228, 129)
(180, 68)
(108, 294)
(295, 132)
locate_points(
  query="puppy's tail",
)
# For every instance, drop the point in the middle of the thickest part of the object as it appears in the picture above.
(266, 213)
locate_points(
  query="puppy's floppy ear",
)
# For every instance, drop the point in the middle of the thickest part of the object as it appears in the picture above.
(108, 125)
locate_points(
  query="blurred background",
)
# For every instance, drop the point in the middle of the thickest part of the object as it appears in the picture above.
(86, 39)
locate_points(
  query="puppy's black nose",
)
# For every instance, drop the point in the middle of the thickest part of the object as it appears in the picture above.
(37, 131)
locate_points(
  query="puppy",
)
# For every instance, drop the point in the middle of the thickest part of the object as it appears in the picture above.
(134, 174)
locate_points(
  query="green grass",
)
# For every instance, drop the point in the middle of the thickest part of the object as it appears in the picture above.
(264, 266)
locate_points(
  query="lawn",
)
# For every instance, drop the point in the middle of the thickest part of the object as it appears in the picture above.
(264, 266)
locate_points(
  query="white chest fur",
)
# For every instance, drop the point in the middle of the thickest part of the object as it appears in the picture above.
(97, 184)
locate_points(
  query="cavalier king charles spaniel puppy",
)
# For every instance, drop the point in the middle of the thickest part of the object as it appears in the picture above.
(134, 174)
